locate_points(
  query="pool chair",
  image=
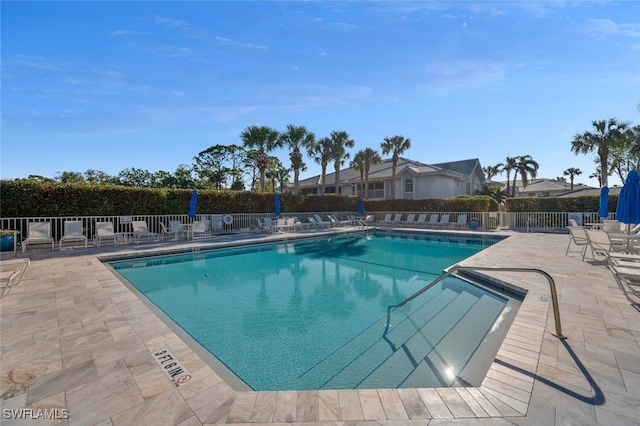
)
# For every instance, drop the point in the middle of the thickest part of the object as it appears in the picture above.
(422, 220)
(578, 237)
(104, 231)
(38, 233)
(631, 275)
(433, 220)
(322, 223)
(73, 233)
(262, 226)
(141, 230)
(600, 242)
(200, 229)
(461, 222)
(410, 220)
(397, 219)
(444, 221)
(170, 231)
(387, 219)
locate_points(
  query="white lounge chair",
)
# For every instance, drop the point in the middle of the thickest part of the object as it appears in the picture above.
(200, 229)
(141, 230)
(38, 233)
(169, 231)
(104, 231)
(262, 226)
(422, 220)
(444, 221)
(600, 242)
(73, 233)
(410, 220)
(397, 219)
(461, 222)
(387, 219)
(433, 220)
(578, 236)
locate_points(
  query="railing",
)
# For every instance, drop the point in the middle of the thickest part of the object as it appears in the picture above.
(240, 222)
(244, 222)
(457, 268)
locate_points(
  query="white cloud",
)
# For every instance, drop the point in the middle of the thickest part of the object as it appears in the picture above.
(229, 42)
(125, 33)
(606, 27)
(169, 22)
(444, 77)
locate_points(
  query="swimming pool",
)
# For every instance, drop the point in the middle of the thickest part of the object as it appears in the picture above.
(311, 314)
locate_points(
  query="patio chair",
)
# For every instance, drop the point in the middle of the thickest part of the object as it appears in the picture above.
(421, 220)
(141, 230)
(444, 221)
(410, 220)
(262, 226)
(387, 219)
(578, 236)
(600, 242)
(200, 229)
(73, 233)
(104, 231)
(164, 231)
(433, 220)
(370, 219)
(320, 222)
(397, 219)
(38, 233)
(179, 228)
(461, 222)
(631, 275)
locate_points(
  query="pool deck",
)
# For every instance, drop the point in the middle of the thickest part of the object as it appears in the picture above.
(74, 337)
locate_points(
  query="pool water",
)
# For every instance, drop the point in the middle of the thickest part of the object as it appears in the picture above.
(311, 314)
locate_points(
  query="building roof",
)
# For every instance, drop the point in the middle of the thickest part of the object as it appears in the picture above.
(546, 185)
(383, 170)
(589, 192)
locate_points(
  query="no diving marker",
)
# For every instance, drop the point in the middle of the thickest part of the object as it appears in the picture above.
(173, 369)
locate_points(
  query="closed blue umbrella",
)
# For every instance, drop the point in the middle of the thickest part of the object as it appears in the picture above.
(193, 203)
(277, 203)
(361, 206)
(628, 209)
(604, 202)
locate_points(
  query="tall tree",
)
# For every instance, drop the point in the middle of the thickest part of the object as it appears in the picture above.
(276, 173)
(396, 146)
(492, 171)
(371, 157)
(212, 165)
(528, 168)
(297, 138)
(338, 152)
(572, 172)
(358, 164)
(320, 152)
(263, 139)
(510, 163)
(70, 177)
(607, 134)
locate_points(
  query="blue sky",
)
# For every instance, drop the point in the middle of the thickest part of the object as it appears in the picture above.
(149, 84)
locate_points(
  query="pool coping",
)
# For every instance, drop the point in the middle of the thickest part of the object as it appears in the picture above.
(506, 392)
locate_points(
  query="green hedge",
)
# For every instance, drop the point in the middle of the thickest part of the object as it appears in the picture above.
(44, 199)
(555, 204)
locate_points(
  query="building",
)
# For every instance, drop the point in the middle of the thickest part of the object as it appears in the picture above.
(543, 188)
(414, 180)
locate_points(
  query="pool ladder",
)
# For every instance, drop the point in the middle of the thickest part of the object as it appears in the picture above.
(457, 268)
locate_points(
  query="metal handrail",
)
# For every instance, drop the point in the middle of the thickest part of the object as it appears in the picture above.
(456, 268)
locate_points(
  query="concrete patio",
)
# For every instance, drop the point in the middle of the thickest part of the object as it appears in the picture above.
(76, 340)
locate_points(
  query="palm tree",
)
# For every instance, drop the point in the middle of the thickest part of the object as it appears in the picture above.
(264, 139)
(493, 171)
(371, 157)
(527, 167)
(395, 145)
(608, 134)
(297, 137)
(359, 164)
(276, 172)
(572, 172)
(338, 152)
(509, 164)
(320, 152)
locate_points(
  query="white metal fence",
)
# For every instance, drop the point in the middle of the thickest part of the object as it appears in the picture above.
(247, 222)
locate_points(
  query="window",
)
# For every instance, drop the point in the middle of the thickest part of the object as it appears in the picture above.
(468, 188)
(408, 185)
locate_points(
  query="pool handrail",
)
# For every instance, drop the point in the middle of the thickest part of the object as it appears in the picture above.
(456, 268)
